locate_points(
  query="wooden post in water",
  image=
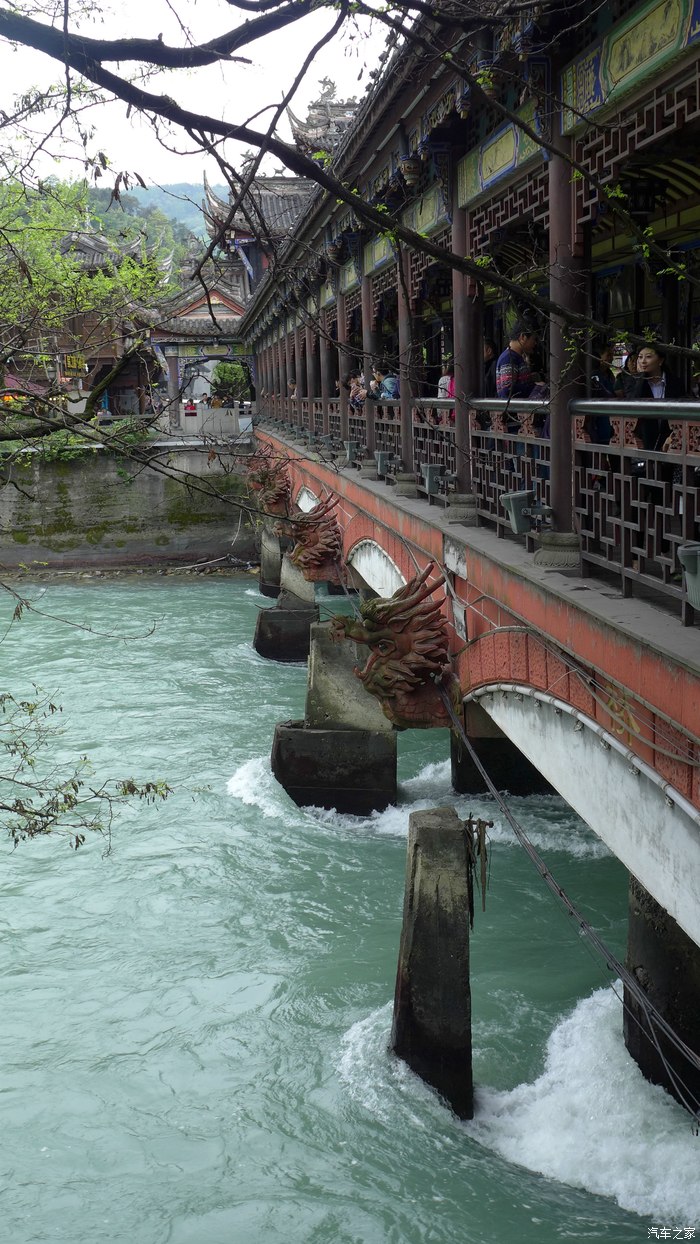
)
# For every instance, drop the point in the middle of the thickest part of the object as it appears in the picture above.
(432, 1005)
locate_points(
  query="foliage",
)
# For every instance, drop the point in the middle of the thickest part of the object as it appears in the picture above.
(231, 382)
(37, 799)
(140, 215)
(47, 291)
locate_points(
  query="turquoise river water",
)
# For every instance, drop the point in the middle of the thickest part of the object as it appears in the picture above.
(194, 1027)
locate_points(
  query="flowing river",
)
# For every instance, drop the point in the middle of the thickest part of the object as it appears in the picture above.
(194, 1027)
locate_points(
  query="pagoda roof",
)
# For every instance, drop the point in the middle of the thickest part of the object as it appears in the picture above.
(272, 206)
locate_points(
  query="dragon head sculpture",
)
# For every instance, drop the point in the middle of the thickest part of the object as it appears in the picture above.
(269, 479)
(318, 551)
(409, 667)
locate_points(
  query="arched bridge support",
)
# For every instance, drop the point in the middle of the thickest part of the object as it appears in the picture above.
(655, 832)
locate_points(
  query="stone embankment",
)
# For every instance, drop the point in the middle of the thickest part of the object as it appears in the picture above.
(99, 511)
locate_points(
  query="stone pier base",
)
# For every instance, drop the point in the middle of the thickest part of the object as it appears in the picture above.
(350, 770)
(667, 965)
(343, 754)
(431, 1030)
(283, 632)
(505, 764)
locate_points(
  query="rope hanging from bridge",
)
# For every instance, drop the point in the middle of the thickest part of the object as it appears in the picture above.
(656, 1023)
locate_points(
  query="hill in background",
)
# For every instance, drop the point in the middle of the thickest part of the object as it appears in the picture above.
(181, 201)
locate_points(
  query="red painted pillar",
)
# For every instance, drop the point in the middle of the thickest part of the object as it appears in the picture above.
(343, 363)
(468, 328)
(405, 352)
(567, 288)
(326, 370)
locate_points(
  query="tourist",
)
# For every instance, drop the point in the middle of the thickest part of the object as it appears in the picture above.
(490, 359)
(627, 378)
(654, 382)
(356, 390)
(514, 376)
(384, 384)
(448, 370)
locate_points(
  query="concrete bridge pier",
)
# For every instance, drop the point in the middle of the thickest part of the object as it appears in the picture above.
(431, 1029)
(343, 754)
(505, 764)
(282, 633)
(270, 563)
(666, 962)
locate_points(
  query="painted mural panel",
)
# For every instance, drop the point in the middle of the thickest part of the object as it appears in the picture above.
(633, 51)
(504, 152)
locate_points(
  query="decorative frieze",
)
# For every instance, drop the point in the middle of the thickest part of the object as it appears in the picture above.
(505, 152)
(650, 37)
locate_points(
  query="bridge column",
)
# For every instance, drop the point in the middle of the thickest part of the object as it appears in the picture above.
(505, 764)
(432, 1028)
(343, 754)
(666, 962)
(343, 363)
(326, 373)
(270, 562)
(468, 329)
(567, 287)
(405, 360)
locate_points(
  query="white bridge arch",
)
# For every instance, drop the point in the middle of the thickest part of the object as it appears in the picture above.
(651, 828)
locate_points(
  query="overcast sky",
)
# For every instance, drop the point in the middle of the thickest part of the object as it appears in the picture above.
(233, 92)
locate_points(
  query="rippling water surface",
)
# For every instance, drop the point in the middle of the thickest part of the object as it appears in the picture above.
(194, 1028)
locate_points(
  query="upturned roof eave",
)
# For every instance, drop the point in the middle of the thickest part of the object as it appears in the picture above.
(371, 112)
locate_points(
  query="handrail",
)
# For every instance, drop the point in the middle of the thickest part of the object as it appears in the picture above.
(616, 408)
(679, 410)
(524, 404)
(439, 403)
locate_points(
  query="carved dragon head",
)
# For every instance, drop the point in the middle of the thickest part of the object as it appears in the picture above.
(318, 551)
(269, 479)
(408, 669)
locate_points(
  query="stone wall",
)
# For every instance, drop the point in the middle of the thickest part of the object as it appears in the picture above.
(101, 510)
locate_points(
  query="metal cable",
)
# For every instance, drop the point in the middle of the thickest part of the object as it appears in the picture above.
(656, 1023)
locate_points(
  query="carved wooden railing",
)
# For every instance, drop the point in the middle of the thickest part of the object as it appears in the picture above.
(635, 509)
(509, 453)
(434, 433)
(334, 418)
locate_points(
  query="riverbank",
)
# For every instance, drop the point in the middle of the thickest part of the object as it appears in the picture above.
(99, 512)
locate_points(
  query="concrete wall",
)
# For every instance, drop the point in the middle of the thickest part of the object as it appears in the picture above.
(99, 510)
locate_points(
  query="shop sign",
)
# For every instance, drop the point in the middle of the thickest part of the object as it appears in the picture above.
(73, 365)
(348, 277)
(427, 213)
(633, 50)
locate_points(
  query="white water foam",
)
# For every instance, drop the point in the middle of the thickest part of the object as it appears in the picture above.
(548, 822)
(590, 1120)
(254, 784)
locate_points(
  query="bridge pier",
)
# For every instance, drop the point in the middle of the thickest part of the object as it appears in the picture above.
(504, 762)
(343, 754)
(282, 633)
(666, 962)
(431, 1029)
(270, 563)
